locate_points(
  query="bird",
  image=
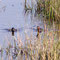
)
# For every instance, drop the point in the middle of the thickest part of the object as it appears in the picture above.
(13, 30)
(39, 30)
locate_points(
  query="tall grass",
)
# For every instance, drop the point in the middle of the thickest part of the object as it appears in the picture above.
(51, 9)
(46, 48)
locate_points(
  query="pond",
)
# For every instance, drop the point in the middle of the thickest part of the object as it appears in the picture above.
(12, 14)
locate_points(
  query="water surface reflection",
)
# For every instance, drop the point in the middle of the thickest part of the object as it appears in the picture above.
(12, 15)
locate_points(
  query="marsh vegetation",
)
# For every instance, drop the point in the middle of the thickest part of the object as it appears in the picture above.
(44, 47)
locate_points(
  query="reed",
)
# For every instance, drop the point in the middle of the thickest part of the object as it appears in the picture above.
(50, 8)
(46, 48)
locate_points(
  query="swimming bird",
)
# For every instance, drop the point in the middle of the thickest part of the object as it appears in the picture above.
(12, 30)
(39, 30)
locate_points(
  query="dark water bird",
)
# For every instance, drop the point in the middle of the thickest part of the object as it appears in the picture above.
(13, 30)
(38, 30)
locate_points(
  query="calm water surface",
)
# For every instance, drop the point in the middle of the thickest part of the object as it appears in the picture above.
(12, 14)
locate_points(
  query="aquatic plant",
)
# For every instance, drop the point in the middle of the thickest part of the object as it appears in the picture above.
(46, 48)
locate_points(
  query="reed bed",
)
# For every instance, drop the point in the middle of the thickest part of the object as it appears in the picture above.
(50, 8)
(44, 47)
(41, 48)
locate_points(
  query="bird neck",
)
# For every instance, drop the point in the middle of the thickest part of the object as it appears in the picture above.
(38, 30)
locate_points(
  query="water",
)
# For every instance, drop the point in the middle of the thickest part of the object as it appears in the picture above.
(12, 14)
